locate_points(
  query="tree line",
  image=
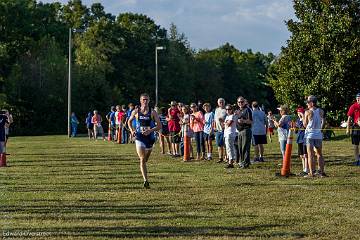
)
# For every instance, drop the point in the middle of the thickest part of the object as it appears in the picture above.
(114, 61)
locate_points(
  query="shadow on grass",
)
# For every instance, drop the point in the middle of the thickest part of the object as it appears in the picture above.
(89, 208)
(110, 217)
(171, 231)
(337, 138)
(86, 189)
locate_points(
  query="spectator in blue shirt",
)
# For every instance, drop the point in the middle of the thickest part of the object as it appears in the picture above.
(74, 124)
(89, 125)
(128, 114)
(112, 124)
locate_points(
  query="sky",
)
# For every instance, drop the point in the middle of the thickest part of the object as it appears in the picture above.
(247, 24)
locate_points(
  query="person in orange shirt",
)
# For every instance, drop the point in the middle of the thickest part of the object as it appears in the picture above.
(197, 122)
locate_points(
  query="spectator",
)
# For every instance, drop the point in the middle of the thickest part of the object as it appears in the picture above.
(74, 124)
(271, 125)
(131, 108)
(314, 121)
(229, 135)
(7, 125)
(208, 129)
(220, 115)
(174, 127)
(354, 122)
(164, 132)
(90, 125)
(197, 122)
(124, 136)
(259, 126)
(283, 126)
(119, 120)
(112, 122)
(185, 127)
(300, 141)
(3, 122)
(243, 125)
(98, 129)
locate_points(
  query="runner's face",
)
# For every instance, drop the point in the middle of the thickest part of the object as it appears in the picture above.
(358, 100)
(221, 103)
(144, 100)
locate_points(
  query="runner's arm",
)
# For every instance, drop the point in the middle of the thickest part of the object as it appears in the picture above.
(131, 119)
(305, 118)
(157, 120)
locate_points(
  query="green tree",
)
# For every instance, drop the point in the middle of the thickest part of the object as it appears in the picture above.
(176, 69)
(233, 73)
(322, 57)
(134, 65)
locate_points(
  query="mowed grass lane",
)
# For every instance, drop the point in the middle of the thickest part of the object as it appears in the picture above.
(56, 188)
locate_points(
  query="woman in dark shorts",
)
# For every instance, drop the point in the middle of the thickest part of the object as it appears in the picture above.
(164, 132)
(302, 152)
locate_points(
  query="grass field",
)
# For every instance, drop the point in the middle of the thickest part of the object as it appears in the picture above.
(56, 188)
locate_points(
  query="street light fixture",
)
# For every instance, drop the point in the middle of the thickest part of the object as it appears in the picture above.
(156, 73)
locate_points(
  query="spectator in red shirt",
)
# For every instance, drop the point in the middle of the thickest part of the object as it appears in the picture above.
(354, 121)
(174, 127)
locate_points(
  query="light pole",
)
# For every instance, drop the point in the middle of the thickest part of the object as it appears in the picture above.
(156, 74)
(69, 78)
(69, 85)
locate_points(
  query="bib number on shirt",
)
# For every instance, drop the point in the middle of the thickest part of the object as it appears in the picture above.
(143, 129)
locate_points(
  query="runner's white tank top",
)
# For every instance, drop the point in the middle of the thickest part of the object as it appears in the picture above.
(313, 128)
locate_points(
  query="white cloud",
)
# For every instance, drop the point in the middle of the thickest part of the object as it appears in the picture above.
(255, 24)
(272, 10)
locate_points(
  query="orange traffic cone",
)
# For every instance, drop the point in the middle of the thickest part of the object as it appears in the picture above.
(3, 160)
(109, 132)
(186, 145)
(285, 170)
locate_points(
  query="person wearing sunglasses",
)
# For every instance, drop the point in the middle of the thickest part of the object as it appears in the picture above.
(229, 135)
(243, 125)
(283, 126)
